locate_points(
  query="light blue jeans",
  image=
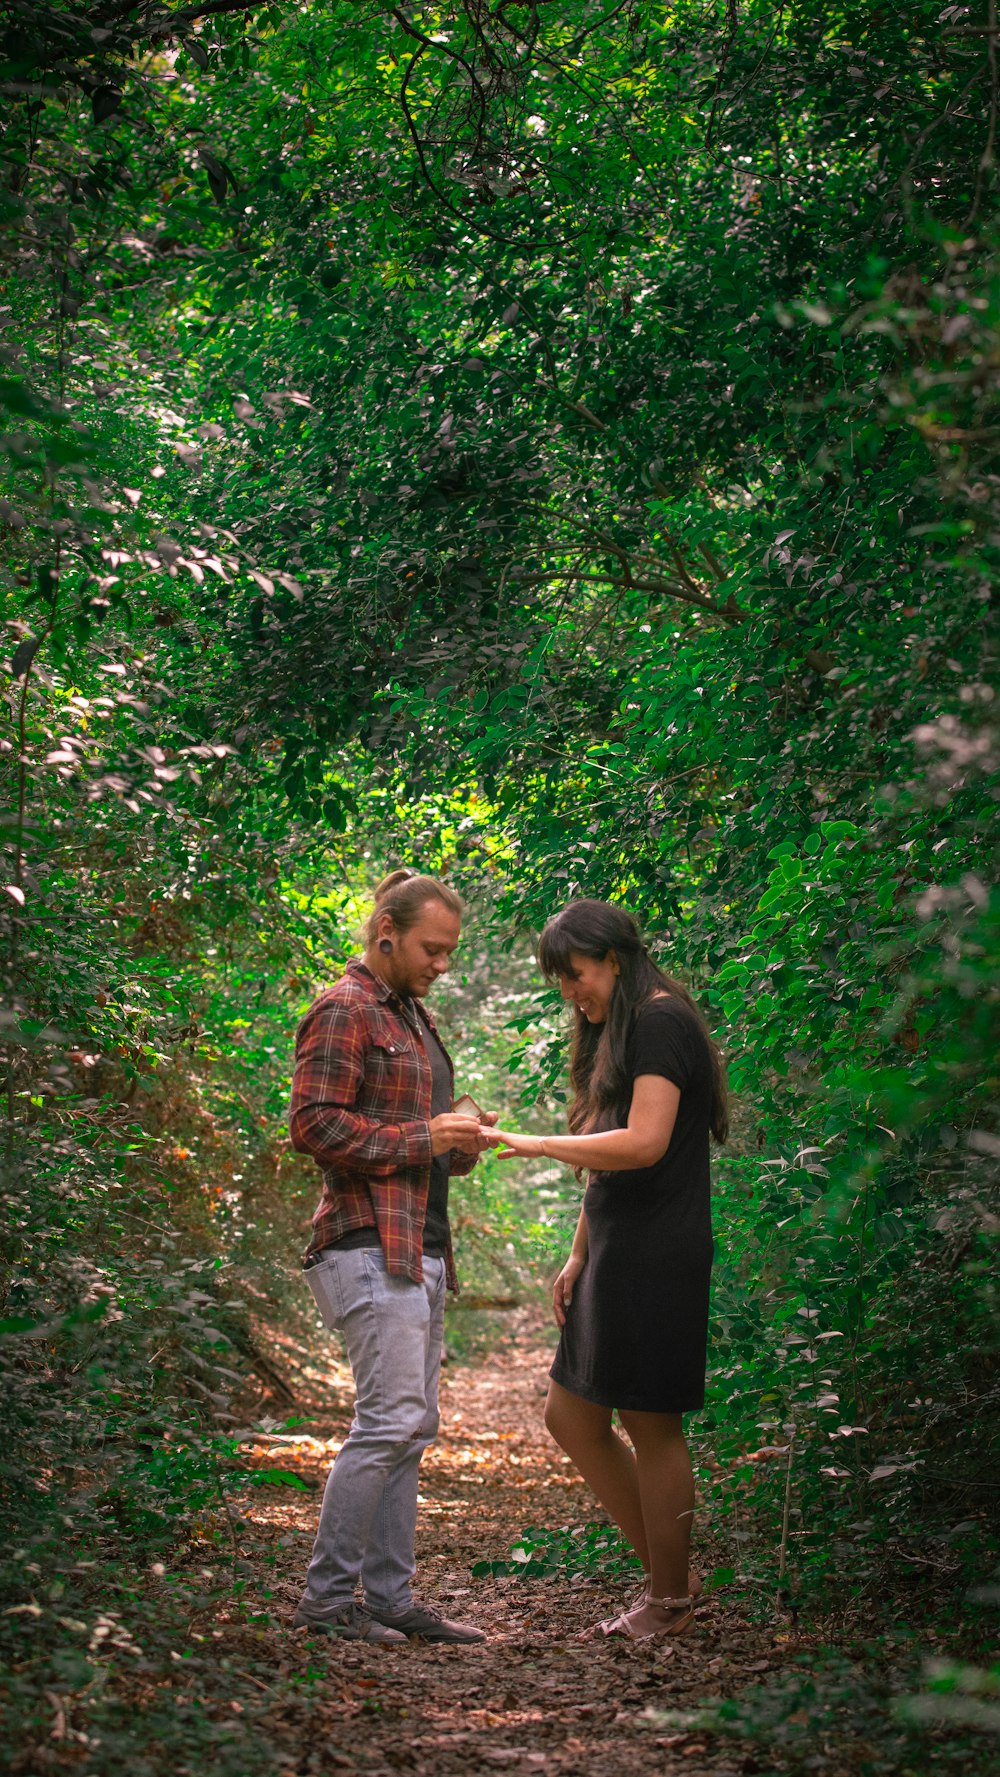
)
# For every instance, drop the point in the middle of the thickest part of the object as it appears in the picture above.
(393, 1330)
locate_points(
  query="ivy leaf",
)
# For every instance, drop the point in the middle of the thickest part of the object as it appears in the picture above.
(105, 101)
(219, 176)
(23, 655)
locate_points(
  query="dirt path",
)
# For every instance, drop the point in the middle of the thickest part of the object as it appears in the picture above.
(531, 1698)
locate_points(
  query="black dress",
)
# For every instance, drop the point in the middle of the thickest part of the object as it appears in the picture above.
(637, 1327)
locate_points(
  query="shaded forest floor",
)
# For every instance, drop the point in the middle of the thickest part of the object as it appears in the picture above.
(200, 1670)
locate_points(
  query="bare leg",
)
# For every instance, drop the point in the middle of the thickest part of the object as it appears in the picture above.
(666, 1492)
(604, 1460)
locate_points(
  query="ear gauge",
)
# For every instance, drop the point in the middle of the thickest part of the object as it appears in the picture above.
(385, 945)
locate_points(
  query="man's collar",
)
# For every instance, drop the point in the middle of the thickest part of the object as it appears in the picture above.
(381, 988)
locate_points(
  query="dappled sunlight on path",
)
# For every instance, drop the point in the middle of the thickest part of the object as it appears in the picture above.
(531, 1697)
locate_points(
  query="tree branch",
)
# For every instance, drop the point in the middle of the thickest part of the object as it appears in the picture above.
(169, 24)
(673, 589)
(452, 209)
(732, 26)
(431, 43)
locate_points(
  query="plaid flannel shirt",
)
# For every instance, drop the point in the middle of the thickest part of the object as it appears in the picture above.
(361, 1106)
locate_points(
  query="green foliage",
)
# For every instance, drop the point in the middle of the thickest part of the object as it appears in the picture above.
(589, 1551)
(957, 1695)
(559, 446)
(851, 1709)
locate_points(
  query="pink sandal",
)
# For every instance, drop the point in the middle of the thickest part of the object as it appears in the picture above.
(695, 1588)
(631, 1625)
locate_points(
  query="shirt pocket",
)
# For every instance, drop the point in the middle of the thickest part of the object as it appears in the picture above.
(394, 1070)
(386, 1038)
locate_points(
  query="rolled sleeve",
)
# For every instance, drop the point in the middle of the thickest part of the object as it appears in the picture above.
(334, 1135)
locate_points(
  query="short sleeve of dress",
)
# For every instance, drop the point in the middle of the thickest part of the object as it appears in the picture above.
(663, 1043)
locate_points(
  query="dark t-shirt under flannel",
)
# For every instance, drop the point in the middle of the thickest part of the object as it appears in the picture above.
(436, 1226)
(361, 1105)
(436, 1229)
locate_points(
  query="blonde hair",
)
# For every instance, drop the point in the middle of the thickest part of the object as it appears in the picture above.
(403, 894)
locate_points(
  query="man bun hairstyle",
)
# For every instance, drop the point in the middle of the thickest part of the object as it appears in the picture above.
(403, 894)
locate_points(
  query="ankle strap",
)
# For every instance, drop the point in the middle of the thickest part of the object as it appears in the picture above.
(670, 1603)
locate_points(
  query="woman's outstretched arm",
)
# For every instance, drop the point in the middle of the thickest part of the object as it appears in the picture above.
(644, 1140)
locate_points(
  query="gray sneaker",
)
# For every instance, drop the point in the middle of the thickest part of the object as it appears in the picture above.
(418, 1620)
(353, 1623)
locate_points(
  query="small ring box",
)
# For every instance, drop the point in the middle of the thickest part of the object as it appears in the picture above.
(466, 1106)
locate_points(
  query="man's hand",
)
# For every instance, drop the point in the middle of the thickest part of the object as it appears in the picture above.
(463, 1133)
(562, 1289)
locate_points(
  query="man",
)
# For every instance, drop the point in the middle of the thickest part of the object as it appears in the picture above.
(371, 1101)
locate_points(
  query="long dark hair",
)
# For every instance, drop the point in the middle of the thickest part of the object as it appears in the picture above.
(598, 1072)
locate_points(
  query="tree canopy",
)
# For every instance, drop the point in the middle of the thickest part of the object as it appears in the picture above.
(558, 444)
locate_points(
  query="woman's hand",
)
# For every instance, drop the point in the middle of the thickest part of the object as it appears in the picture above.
(511, 1145)
(562, 1289)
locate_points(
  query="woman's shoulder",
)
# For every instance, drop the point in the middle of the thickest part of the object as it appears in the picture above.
(663, 1008)
(665, 1019)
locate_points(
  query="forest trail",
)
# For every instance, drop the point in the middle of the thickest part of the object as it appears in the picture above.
(532, 1697)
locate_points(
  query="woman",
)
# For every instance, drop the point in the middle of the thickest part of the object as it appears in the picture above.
(632, 1299)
